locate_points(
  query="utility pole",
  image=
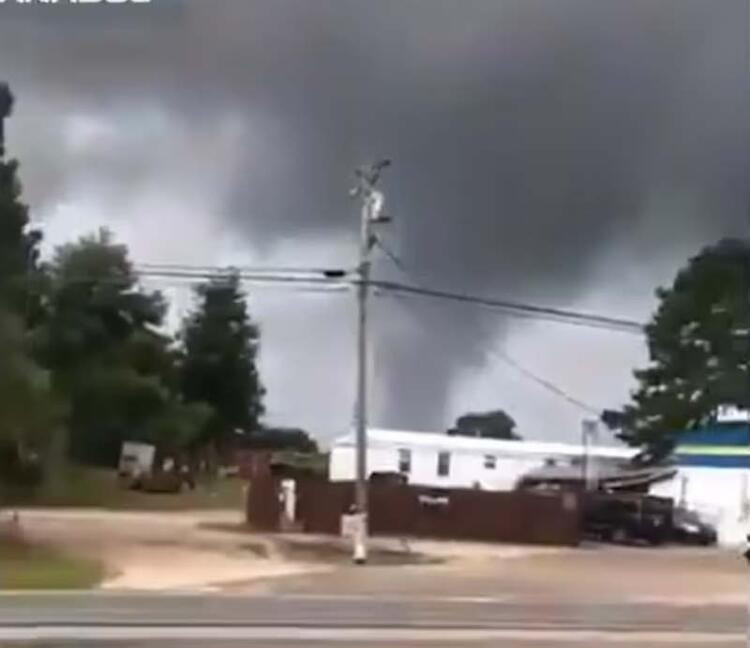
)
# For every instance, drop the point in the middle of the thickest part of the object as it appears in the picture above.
(6, 104)
(371, 214)
(589, 431)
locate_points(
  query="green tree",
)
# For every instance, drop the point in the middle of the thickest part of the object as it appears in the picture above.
(699, 346)
(496, 424)
(280, 438)
(28, 412)
(219, 366)
(108, 357)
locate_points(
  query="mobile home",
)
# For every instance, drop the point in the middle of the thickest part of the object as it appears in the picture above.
(440, 460)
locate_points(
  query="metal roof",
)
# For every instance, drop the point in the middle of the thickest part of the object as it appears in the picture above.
(378, 437)
(612, 475)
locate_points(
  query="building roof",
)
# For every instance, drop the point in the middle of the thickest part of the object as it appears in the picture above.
(378, 437)
(609, 475)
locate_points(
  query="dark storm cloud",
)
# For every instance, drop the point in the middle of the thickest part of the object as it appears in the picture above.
(529, 136)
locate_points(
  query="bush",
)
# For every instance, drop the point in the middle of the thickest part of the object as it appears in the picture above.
(18, 470)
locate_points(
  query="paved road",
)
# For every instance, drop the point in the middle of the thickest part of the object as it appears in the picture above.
(589, 598)
(381, 642)
(275, 620)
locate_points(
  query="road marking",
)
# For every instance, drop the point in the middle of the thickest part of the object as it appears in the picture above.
(729, 600)
(390, 598)
(220, 593)
(338, 635)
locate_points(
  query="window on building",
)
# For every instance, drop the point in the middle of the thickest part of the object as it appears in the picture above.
(404, 461)
(444, 464)
(490, 462)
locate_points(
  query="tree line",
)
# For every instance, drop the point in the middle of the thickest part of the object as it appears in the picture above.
(86, 361)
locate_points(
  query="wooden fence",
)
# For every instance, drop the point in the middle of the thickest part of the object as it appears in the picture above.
(411, 511)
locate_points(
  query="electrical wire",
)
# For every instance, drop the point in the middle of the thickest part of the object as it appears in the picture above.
(543, 382)
(342, 280)
(510, 307)
(213, 269)
(518, 308)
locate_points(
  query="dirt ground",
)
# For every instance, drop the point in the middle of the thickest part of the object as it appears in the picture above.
(587, 575)
(161, 551)
(211, 550)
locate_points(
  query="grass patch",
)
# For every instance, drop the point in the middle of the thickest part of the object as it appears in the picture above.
(78, 486)
(25, 566)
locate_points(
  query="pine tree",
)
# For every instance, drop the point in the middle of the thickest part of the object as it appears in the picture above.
(221, 344)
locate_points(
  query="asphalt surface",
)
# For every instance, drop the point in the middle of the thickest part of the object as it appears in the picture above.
(358, 611)
(145, 620)
(584, 598)
(380, 643)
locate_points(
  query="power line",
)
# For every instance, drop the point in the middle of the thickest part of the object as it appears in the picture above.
(502, 355)
(258, 279)
(256, 285)
(339, 280)
(519, 308)
(214, 269)
(513, 308)
(255, 275)
(543, 382)
(186, 277)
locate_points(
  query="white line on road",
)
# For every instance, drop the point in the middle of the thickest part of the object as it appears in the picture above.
(218, 593)
(339, 635)
(393, 598)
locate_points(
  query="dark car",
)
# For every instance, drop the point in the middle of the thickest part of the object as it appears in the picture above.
(627, 518)
(688, 528)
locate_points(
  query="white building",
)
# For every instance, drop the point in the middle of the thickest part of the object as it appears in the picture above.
(440, 460)
(713, 478)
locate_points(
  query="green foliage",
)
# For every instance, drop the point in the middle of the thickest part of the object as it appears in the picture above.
(25, 566)
(219, 364)
(97, 312)
(108, 372)
(102, 342)
(28, 411)
(294, 462)
(279, 438)
(17, 245)
(699, 347)
(80, 486)
(496, 424)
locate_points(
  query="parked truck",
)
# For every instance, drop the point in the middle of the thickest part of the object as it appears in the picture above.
(628, 517)
(136, 463)
(141, 468)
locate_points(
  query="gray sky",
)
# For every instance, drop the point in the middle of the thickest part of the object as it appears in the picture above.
(566, 152)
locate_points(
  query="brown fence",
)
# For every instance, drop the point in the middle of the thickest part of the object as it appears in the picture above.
(396, 510)
(263, 506)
